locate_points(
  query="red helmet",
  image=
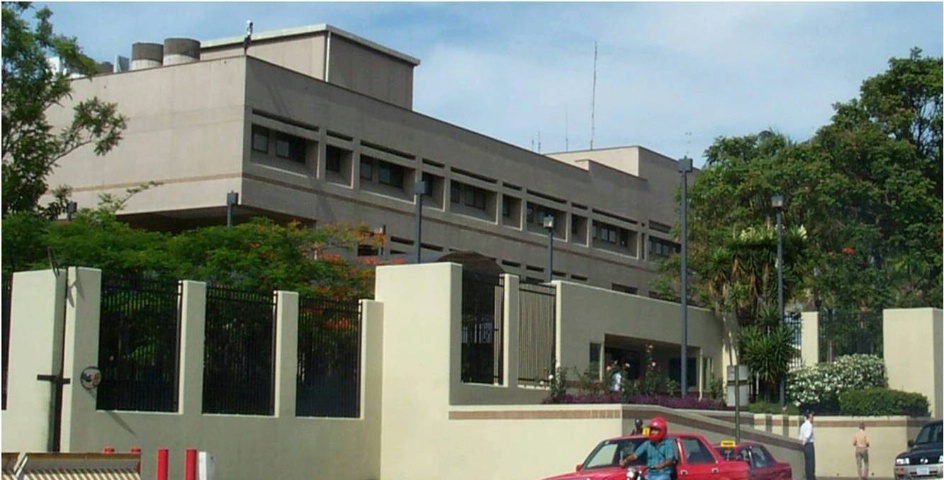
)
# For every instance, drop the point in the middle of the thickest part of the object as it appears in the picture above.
(657, 429)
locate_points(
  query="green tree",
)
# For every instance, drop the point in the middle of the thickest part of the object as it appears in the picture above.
(31, 144)
(879, 244)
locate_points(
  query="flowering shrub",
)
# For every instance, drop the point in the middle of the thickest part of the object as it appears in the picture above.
(818, 387)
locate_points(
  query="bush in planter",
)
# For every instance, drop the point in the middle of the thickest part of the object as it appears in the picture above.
(818, 387)
(882, 401)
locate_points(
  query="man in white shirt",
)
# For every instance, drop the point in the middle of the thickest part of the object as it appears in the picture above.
(809, 454)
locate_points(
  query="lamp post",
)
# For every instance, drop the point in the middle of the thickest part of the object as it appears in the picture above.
(549, 226)
(232, 198)
(418, 191)
(776, 202)
(71, 208)
(685, 166)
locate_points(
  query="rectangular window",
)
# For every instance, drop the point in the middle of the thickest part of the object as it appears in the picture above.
(468, 195)
(427, 184)
(333, 159)
(390, 174)
(260, 139)
(506, 207)
(659, 248)
(289, 147)
(367, 168)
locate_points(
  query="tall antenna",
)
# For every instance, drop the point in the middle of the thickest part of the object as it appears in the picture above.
(593, 99)
(566, 131)
(539, 141)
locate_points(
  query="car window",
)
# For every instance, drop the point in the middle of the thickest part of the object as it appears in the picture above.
(930, 433)
(696, 452)
(760, 457)
(610, 452)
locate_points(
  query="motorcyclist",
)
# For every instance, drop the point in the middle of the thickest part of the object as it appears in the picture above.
(660, 453)
(638, 429)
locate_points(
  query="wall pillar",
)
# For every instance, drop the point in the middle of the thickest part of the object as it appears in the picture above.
(511, 339)
(913, 345)
(286, 353)
(192, 338)
(809, 339)
(37, 313)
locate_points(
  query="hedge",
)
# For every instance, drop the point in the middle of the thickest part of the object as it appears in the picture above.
(882, 401)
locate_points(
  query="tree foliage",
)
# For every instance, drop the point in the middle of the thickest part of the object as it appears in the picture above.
(31, 145)
(257, 255)
(862, 214)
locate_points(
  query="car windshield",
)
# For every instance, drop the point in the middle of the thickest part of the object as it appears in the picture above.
(609, 453)
(930, 433)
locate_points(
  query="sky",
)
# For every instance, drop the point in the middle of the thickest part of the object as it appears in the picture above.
(671, 77)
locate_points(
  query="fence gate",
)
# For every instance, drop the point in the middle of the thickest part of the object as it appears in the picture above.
(845, 333)
(537, 324)
(239, 352)
(138, 343)
(329, 359)
(482, 327)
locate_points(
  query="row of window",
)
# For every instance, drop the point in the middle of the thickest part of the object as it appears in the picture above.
(287, 146)
(390, 174)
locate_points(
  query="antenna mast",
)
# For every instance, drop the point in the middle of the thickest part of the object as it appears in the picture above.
(593, 98)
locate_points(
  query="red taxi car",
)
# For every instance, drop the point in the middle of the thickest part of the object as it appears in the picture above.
(763, 465)
(698, 460)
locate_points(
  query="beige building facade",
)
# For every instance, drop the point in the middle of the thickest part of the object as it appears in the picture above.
(316, 124)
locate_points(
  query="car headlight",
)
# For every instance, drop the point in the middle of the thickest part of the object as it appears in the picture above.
(902, 461)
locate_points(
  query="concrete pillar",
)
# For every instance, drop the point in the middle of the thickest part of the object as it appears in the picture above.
(511, 341)
(37, 314)
(83, 315)
(286, 353)
(809, 338)
(912, 346)
(192, 337)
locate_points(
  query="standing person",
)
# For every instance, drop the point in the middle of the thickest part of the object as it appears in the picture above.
(616, 377)
(660, 453)
(809, 453)
(861, 443)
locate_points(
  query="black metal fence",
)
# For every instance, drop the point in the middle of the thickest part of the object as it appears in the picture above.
(139, 343)
(329, 353)
(482, 328)
(239, 352)
(794, 321)
(7, 288)
(845, 333)
(537, 322)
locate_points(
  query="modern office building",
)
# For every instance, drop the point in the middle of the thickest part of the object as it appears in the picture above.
(316, 124)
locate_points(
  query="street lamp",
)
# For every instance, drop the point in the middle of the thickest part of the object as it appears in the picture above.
(418, 191)
(71, 208)
(232, 198)
(776, 202)
(549, 226)
(685, 166)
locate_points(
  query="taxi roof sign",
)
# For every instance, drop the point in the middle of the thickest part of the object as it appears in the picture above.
(727, 443)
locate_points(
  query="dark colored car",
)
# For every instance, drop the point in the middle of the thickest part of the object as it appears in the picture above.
(924, 456)
(762, 463)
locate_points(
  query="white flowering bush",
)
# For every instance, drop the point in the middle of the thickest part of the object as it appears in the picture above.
(819, 387)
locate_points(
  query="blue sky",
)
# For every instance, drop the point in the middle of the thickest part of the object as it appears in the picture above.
(671, 77)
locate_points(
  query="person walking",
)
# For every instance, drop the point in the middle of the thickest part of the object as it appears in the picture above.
(861, 443)
(809, 453)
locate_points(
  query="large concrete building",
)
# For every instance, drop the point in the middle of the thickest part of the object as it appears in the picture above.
(316, 124)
